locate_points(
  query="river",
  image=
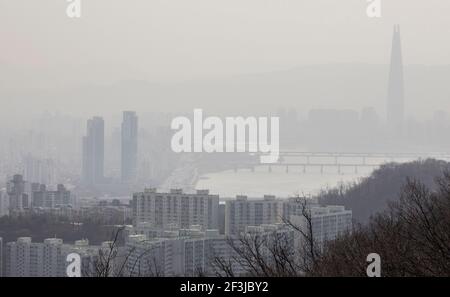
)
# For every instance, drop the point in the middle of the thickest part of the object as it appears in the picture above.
(278, 182)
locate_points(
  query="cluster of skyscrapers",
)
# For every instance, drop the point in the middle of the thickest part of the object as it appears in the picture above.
(94, 150)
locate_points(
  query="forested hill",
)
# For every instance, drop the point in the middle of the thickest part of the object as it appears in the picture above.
(372, 194)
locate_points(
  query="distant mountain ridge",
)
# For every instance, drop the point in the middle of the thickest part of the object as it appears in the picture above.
(339, 86)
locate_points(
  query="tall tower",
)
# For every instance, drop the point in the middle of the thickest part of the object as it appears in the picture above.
(396, 96)
(129, 146)
(94, 151)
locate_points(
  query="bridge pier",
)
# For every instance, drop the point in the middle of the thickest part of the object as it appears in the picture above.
(287, 169)
(356, 169)
(321, 169)
(270, 169)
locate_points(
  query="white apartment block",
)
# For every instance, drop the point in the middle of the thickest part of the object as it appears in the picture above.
(243, 212)
(268, 236)
(89, 255)
(180, 253)
(189, 252)
(166, 240)
(200, 252)
(176, 209)
(42, 197)
(295, 205)
(327, 222)
(25, 258)
(153, 257)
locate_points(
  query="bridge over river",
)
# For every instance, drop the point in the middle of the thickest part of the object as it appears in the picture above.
(340, 160)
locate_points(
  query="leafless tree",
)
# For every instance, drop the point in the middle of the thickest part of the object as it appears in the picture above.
(309, 249)
(103, 265)
(111, 263)
(273, 254)
(412, 237)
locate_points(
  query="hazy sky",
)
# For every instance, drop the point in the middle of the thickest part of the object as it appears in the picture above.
(162, 40)
(168, 41)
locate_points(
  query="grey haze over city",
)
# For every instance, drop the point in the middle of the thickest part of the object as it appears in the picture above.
(212, 53)
(132, 137)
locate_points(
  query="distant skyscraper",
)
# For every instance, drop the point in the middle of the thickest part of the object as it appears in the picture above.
(395, 102)
(94, 151)
(129, 146)
(19, 194)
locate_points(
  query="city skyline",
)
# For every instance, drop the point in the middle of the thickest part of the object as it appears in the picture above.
(226, 139)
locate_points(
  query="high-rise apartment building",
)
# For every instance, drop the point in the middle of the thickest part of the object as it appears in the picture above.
(243, 212)
(24, 258)
(176, 208)
(94, 151)
(129, 146)
(191, 252)
(327, 222)
(296, 206)
(41, 197)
